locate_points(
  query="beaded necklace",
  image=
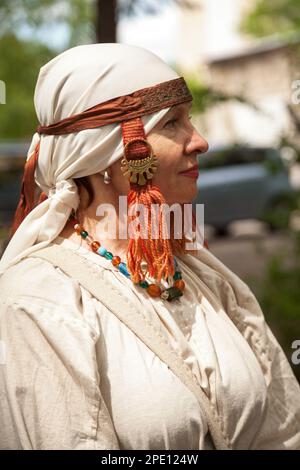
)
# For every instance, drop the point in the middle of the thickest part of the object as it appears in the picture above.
(154, 290)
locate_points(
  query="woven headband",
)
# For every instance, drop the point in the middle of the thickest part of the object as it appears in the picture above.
(123, 108)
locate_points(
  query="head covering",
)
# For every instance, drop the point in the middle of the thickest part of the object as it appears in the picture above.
(77, 80)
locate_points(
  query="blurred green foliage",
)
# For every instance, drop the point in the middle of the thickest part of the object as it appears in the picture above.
(204, 96)
(21, 59)
(76, 17)
(279, 298)
(273, 16)
(19, 65)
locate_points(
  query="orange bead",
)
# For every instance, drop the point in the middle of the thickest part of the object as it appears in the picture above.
(154, 290)
(78, 229)
(116, 260)
(179, 284)
(95, 245)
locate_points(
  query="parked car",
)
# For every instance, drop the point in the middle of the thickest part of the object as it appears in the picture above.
(237, 183)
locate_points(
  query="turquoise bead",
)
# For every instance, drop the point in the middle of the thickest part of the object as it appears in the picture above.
(84, 234)
(101, 250)
(123, 269)
(177, 276)
(144, 284)
(109, 255)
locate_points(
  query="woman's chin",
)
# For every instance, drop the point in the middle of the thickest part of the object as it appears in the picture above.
(190, 196)
(182, 199)
(182, 195)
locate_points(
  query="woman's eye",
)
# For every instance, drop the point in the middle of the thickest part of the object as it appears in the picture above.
(171, 122)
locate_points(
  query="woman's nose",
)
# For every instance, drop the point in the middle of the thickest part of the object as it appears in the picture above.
(197, 143)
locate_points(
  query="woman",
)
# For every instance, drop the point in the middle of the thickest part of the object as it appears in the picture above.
(112, 342)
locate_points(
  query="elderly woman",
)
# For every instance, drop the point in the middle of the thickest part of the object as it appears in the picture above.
(129, 341)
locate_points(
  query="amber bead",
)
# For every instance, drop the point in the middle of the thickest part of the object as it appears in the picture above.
(78, 229)
(95, 245)
(179, 284)
(116, 260)
(154, 290)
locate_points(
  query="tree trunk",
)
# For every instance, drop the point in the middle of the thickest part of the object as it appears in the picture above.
(106, 24)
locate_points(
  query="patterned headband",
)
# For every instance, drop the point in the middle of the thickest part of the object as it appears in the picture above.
(123, 108)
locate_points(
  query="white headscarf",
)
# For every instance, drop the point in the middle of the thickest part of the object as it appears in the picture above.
(72, 82)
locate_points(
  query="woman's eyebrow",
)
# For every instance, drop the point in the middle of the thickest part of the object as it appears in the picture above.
(184, 107)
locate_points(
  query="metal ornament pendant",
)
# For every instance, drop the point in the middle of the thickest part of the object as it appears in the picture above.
(137, 169)
(171, 293)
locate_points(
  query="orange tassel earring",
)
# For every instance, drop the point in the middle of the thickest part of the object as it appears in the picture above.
(139, 165)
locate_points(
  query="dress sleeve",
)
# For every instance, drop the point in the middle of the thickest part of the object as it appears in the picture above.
(50, 394)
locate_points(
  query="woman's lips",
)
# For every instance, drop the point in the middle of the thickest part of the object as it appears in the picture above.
(193, 173)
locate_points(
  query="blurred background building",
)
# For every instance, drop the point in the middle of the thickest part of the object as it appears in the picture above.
(206, 42)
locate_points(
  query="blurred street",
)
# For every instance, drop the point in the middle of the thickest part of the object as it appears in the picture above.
(248, 248)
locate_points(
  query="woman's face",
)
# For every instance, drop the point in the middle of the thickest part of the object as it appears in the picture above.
(176, 143)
